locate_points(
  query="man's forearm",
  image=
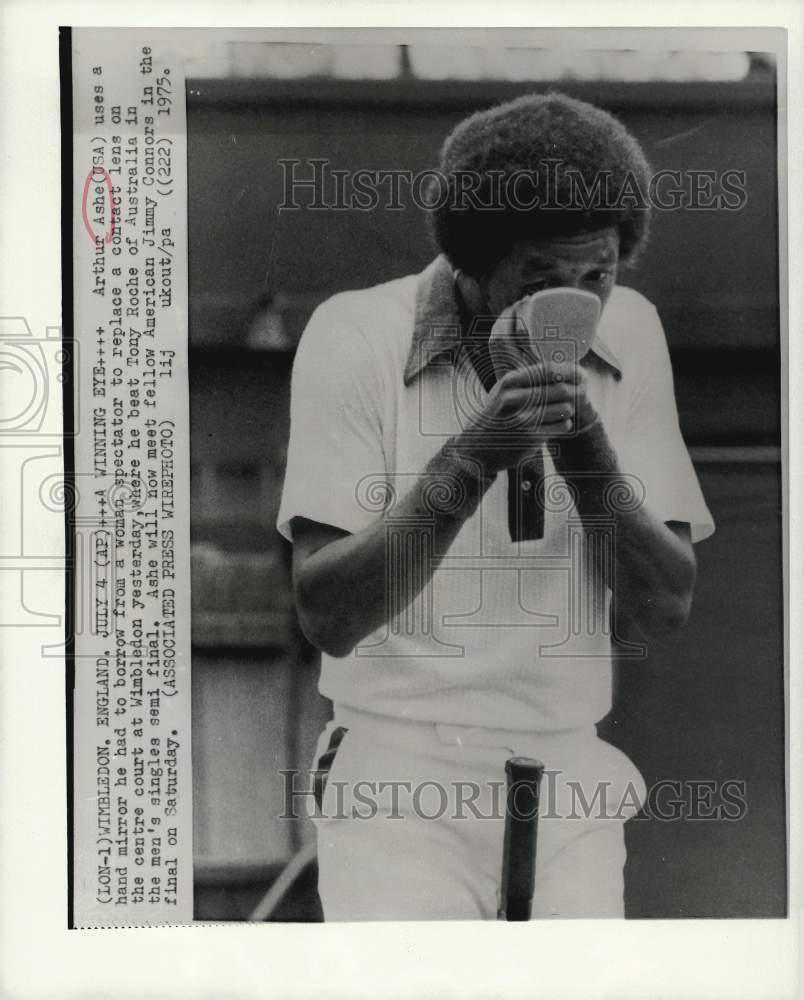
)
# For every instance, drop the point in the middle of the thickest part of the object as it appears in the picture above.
(650, 570)
(354, 585)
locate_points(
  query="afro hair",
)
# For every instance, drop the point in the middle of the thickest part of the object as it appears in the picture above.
(582, 170)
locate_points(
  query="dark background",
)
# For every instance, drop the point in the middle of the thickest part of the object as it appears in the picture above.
(710, 706)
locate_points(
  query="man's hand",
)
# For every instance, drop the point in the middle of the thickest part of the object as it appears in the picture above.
(527, 407)
(655, 565)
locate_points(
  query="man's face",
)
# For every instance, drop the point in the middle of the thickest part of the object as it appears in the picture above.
(588, 261)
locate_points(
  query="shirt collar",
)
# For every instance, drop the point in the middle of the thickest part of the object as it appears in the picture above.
(437, 322)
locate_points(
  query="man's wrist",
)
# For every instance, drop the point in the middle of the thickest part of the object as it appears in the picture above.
(587, 420)
(462, 473)
(586, 450)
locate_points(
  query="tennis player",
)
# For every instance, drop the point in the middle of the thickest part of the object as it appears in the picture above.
(468, 544)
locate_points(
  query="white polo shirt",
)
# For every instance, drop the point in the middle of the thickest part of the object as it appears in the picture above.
(511, 635)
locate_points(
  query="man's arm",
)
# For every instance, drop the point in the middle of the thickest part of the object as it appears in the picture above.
(652, 567)
(341, 580)
(629, 608)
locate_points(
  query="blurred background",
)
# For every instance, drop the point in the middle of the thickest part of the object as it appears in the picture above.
(709, 707)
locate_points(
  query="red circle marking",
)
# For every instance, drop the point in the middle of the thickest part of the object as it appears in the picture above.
(92, 177)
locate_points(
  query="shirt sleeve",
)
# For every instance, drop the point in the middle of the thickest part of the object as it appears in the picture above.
(335, 426)
(655, 451)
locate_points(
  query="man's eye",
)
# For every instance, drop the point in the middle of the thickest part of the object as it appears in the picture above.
(597, 276)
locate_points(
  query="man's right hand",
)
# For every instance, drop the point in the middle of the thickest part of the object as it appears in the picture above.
(526, 407)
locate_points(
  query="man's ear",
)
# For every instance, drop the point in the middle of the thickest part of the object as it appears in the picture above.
(472, 293)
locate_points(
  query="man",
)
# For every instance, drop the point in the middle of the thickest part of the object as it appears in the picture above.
(467, 542)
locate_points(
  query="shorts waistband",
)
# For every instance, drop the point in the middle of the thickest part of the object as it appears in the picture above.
(457, 735)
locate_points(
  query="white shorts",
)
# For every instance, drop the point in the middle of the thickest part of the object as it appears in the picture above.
(411, 820)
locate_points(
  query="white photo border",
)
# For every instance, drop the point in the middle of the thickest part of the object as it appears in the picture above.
(39, 956)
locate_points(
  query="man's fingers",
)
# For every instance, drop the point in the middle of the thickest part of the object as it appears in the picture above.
(544, 431)
(537, 396)
(544, 414)
(520, 412)
(537, 375)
